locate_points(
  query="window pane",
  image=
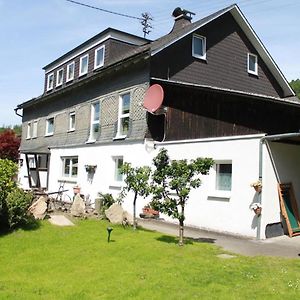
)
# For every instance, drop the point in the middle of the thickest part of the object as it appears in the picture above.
(99, 57)
(74, 167)
(252, 63)
(72, 121)
(224, 172)
(198, 46)
(84, 65)
(118, 174)
(67, 167)
(96, 111)
(125, 103)
(124, 125)
(34, 131)
(50, 125)
(70, 71)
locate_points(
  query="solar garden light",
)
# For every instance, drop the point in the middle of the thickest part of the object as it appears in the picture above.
(109, 230)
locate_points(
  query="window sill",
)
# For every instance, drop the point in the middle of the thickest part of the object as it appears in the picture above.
(219, 195)
(90, 141)
(116, 185)
(200, 57)
(253, 73)
(71, 130)
(120, 137)
(80, 75)
(68, 180)
(48, 134)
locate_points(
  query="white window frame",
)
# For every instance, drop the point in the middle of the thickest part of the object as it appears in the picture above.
(116, 160)
(71, 125)
(34, 129)
(50, 86)
(122, 116)
(28, 132)
(49, 133)
(203, 38)
(59, 82)
(96, 56)
(68, 78)
(92, 138)
(80, 65)
(217, 166)
(69, 176)
(255, 72)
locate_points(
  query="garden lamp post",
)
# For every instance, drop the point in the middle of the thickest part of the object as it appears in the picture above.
(109, 230)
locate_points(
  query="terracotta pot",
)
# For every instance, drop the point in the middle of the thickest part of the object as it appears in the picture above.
(258, 188)
(257, 211)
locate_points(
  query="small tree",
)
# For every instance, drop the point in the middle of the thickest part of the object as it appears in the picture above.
(179, 177)
(9, 145)
(136, 180)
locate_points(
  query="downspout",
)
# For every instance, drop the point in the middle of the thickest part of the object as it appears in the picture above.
(264, 139)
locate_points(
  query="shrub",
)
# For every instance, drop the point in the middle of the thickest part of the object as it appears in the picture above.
(106, 201)
(8, 171)
(18, 202)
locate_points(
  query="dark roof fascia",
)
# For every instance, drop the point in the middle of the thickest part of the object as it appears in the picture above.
(89, 41)
(138, 56)
(208, 88)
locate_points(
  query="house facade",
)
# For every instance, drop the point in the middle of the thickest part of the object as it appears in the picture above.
(224, 98)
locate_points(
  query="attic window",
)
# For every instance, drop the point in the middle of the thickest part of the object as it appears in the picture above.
(199, 46)
(59, 77)
(70, 71)
(99, 57)
(252, 64)
(50, 80)
(84, 62)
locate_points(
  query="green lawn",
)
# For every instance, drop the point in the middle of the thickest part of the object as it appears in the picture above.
(77, 263)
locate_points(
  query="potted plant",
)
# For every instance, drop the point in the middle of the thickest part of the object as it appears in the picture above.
(257, 185)
(257, 208)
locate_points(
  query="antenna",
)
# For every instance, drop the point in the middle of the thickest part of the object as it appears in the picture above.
(146, 17)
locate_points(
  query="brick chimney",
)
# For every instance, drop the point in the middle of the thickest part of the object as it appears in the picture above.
(182, 18)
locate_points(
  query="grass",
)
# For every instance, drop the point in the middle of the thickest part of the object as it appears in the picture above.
(76, 262)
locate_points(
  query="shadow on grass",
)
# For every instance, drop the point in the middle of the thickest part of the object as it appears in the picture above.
(187, 241)
(31, 225)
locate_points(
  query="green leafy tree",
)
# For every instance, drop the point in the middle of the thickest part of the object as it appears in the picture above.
(295, 84)
(172, 181)
(136, 180)
(8, 172)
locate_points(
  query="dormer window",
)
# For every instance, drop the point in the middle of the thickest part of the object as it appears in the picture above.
(70, 71)
(84, 63)
(50, 80)
(59, 77)
(99, 57)
(252, 64)
(199, 46)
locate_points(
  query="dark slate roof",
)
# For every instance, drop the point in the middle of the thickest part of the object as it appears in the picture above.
(153, 47)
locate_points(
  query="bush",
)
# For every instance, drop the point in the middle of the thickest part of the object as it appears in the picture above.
(8, 171)
(106, 201)
(18, 203)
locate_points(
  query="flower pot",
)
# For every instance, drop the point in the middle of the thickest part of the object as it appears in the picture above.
(258, 189)
(257, 211)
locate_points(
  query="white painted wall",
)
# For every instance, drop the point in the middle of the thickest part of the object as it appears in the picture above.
(206, 208)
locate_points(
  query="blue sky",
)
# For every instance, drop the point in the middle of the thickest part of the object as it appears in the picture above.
(35, 32)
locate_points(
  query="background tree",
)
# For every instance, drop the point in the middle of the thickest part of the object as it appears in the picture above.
(176, 177)
(136, 180)
(295, 84)
(16, 128)
(9, 145)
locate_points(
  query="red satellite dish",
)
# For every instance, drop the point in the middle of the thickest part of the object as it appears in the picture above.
(154, 97)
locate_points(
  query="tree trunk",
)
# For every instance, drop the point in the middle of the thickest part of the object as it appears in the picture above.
(181, 229)
(181, 225)
(134, 211)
